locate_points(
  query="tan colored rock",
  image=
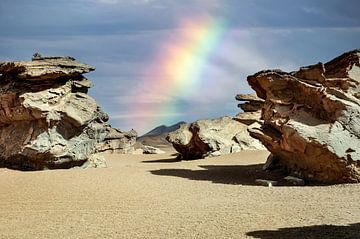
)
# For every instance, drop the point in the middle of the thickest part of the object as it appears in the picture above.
(147, 149)
(248, 118)
(251, 105)
(312, 118)
(207, 138)
(48, 121)
(250, 102)
(45, 68)
(117, 141)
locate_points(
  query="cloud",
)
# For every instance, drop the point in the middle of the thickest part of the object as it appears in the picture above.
(112, 2)
(121, 37)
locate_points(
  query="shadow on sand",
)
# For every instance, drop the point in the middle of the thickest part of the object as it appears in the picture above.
(224, 174)
(167, 160)
(351, 231)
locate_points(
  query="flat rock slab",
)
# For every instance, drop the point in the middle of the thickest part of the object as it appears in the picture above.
(46, 68)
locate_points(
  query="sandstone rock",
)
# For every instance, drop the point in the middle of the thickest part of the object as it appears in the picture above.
(211, 138)
(45, 68)
(251, 103)
(312, 118)
(116, 141)
(251, 106)
(151, 150)
(48, 121)
(248, 118)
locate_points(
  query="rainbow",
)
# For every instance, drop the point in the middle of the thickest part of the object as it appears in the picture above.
(176, 69)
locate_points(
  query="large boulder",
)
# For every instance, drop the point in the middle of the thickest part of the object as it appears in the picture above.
(312, 118)
(48, 121)
(214, 137)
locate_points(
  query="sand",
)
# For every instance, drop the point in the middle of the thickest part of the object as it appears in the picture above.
(155, 196)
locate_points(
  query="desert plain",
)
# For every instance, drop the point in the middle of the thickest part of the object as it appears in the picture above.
(157, 196)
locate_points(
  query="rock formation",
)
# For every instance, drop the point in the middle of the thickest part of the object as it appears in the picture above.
(48, 121)
(147, 149)
(215, 137)
(312, 118)
(251, 105)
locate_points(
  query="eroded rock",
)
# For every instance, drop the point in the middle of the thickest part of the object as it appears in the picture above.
(147, 149)
(312, 118)
(206, 138)
(48, 121)
(251, 104)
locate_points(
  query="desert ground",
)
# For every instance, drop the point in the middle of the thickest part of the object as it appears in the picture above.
(157, 196)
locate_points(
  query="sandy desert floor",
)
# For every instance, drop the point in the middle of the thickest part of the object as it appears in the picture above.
(155, 196)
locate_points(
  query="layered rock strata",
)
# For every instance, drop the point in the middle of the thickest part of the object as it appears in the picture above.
(48, 121)
(207, 138)
(251, 104)
(312, 118)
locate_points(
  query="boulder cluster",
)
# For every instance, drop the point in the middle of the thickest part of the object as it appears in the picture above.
(48, 121)
(308, 119)
(311, 119)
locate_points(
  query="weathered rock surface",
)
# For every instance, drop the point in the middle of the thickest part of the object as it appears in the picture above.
(215, 137)
(48, 121)
(147, 149)
(251, 105)
(250, 102)
(312, 118)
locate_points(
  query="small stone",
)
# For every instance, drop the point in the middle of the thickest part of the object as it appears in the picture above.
(147, 149)
(295, 181)
(264, 182)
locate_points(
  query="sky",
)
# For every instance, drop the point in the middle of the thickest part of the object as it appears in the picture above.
(163, 61)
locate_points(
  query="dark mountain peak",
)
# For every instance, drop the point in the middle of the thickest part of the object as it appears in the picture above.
(163, 129)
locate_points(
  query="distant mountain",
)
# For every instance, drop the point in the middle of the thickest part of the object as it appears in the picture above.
(157, 136)
(163, 129)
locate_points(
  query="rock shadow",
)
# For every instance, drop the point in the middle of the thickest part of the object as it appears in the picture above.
(167, 160)
(351, 231)
(224, 174)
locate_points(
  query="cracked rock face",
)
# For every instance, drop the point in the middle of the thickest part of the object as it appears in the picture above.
(312, 118)
(48, 121)
(208, 138)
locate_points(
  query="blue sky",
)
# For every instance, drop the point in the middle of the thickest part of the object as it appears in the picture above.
(120, 38)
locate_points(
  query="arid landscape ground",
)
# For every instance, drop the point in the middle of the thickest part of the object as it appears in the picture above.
(156, 196)
(280, 161)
